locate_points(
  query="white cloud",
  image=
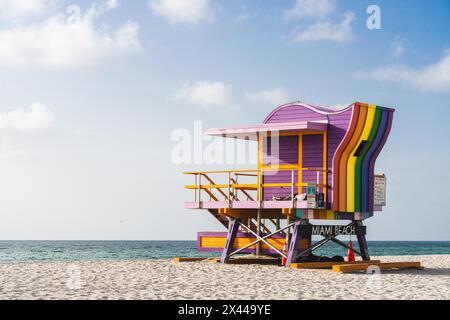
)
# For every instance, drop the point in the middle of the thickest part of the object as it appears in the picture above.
(66, 41)
(35, 118)
(205, 93)
(183, 11)
(112, 4)
(275, 96)
(434, 77)
(310, 8)
(398, 47)
(18, 9)
(327, 30)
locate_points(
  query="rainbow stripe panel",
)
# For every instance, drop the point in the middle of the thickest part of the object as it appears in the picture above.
(354, 159)
(319, 214)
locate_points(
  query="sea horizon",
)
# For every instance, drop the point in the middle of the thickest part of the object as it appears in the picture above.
(87, 250)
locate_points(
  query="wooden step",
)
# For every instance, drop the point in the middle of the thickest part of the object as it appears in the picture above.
(345, 268)
(329, 265)
(177, 260)
(186, 259)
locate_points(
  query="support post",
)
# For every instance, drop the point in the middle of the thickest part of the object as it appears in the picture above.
(305, 239)
(233, 228)
(258, 232)
(363, 248)
(293, 245)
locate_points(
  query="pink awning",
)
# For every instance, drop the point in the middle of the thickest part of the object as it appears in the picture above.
(251, 132)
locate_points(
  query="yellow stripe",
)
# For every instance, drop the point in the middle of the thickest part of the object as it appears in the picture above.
(352, 159)
(330, 215)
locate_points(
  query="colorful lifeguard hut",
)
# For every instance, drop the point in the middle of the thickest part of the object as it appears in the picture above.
(314, 164)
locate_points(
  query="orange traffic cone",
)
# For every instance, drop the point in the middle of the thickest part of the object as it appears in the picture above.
(351, 253)
(283, 259)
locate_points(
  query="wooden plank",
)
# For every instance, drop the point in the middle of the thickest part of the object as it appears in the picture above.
(383, 266)
(260, 261)
(178, 260)
(329, 265)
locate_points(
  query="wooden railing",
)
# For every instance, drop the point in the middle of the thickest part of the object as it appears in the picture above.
(235, 190)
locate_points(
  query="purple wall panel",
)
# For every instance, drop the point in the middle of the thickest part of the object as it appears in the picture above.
(287, 151)
(312, 145)
(295, 113)
(279, 177)
(288, 154)
(312, 157)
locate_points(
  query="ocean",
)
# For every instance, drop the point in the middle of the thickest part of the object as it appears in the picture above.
(22, 251)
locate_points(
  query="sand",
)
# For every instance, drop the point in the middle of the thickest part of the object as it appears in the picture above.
(163, 279)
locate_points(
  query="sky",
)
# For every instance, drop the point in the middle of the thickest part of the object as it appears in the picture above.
(93, 92)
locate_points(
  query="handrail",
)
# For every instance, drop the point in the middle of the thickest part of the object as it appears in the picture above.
(229, 189)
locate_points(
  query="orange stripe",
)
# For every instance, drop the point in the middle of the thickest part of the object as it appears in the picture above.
(338, 155)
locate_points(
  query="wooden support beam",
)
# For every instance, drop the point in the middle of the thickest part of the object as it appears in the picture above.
(211, 195)
(293, 244)
(232, 232)
(382, 266)
(177, 260)
(363, 248)
(181, 259)
(329, 265)
(258, 231)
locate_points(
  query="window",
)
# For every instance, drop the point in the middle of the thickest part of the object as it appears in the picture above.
(360, 148)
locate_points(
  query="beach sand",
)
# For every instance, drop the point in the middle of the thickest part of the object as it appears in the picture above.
(164, 279)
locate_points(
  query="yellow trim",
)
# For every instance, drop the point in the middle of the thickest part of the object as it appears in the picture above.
(248, 186)
(219, 171)
(219, 242)
(287, 134)
(207, 186)
(279, 167)
(352, 159)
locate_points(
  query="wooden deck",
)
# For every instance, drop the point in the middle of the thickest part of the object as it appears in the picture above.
(329, 265)
(383, 266)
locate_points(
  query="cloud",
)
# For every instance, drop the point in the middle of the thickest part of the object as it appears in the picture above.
(275, 96)
(310, 8)
(112, 4)
(66, 41)
(204, 93)
(19, 9)
(433, 78)
(398, 47)
(326, 30)
(183, 11)
(35, 118)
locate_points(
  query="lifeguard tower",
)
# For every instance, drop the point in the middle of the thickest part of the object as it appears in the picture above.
(315, 165)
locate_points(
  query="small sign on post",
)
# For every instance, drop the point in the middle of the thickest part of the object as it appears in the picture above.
(311, 196)
(379, 193)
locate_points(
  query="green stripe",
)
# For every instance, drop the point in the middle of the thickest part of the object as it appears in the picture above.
(358, 165)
